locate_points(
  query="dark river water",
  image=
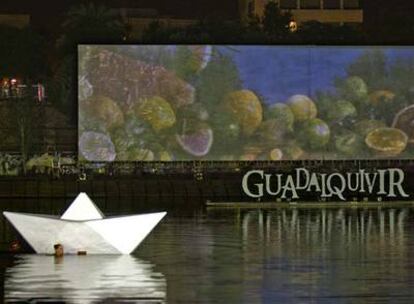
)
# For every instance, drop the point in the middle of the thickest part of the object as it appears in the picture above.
(286, 255)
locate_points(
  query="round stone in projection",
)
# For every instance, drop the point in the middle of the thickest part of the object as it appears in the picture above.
(302, 107)
(315, 133)
(94, 146)
(246, 108)
(196, 143)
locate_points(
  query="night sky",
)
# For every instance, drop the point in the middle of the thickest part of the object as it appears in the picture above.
(176, 8)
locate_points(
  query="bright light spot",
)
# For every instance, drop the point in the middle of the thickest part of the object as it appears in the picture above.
(293, 26)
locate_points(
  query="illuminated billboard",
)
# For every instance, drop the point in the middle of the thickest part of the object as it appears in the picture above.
(232, 102)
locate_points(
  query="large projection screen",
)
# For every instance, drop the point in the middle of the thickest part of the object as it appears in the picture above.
(235, 102)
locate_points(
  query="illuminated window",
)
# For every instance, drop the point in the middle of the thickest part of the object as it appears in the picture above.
(288, 4)
(309, 4)
(350, 4)
(331, 4)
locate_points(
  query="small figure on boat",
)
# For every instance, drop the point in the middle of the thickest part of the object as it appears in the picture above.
(59, 252)
(15, 246)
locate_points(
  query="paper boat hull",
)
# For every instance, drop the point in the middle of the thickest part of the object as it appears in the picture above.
(117, 235)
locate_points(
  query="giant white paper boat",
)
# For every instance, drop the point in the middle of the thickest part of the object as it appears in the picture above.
(83, 227)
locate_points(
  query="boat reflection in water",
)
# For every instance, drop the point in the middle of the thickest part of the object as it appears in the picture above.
(84, 279)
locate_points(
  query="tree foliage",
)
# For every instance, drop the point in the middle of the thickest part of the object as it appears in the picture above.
(87, 23)
(62, 87)
(275, 23)
(90, 23)
(273, 27)
(23, 119)
(324, 33)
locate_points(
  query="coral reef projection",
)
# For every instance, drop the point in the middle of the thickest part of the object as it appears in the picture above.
(201, 102)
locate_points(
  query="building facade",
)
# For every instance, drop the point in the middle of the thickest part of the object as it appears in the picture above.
(324, 11)
(15, 20)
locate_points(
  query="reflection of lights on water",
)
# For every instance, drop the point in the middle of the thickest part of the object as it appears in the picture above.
(309, 228)
(84, 279)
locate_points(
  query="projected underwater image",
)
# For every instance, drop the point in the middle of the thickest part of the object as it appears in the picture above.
(224, 102)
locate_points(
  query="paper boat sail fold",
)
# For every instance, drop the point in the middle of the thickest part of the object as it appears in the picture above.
(84, 228)
(82, 209)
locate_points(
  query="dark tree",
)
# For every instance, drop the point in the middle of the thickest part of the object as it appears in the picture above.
(89, 23)
(156, 32)
(323, 33)
(23, 118)
(275, 23)
(62, 87)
